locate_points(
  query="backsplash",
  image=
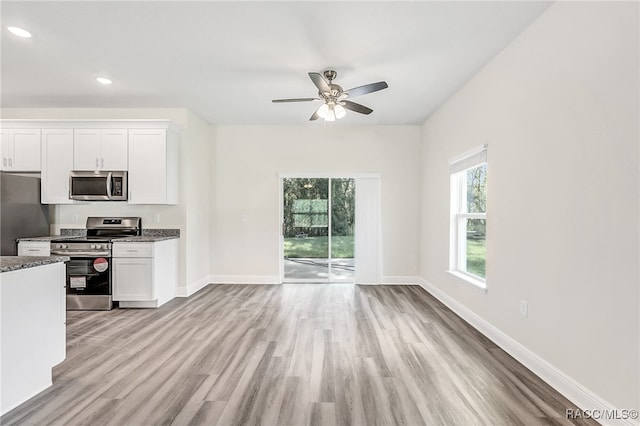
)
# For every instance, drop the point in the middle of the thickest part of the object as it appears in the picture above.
(73, 232)
(161, 233)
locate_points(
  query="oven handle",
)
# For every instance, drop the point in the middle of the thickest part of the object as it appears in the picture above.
(81, 253)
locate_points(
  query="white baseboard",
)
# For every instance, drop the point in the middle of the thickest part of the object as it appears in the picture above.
(194, 287)
(584, 398)
(245, 279)
(400, 280)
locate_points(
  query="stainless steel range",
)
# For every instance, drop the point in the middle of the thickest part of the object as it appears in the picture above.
(89, 270)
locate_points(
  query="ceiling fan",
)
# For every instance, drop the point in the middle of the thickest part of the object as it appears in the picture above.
(334, 99)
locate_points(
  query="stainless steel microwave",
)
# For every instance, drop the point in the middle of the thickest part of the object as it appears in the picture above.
(98, 186)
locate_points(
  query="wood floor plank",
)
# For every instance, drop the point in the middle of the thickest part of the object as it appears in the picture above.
(293, 354)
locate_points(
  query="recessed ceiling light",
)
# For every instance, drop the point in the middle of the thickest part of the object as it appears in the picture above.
(19, 32)
(104, 80)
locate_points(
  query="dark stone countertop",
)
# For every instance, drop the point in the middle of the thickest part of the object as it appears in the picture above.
(14, 263)
(145, 239)
(45, 238)
(148, 235)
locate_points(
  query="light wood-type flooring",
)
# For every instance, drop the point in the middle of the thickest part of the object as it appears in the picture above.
(293, 354)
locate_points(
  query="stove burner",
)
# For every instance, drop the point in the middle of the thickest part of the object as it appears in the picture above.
(100, 232)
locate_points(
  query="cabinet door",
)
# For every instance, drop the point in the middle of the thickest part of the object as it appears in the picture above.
(21, 150)
(57, 162)
(147, 166)
(86, 149)
(113, 151)
(133, 279)
(4, 146)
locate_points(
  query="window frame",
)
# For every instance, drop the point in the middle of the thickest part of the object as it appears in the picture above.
(459, 216)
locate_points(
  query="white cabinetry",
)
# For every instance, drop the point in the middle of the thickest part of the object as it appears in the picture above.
(33, 331)
(34, 248)
(147, 149)
(57, 162)
(20, 150)
(153, 166)
(145, 275)
(100, 149)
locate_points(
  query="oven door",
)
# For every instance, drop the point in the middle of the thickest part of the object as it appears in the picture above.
(89, 283)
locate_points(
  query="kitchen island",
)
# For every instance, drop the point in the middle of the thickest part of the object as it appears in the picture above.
(33, 325)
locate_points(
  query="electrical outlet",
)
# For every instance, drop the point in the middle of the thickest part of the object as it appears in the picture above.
(156, 218)
(412, 258)
(76, 219)
(524, 308)
(244, 217)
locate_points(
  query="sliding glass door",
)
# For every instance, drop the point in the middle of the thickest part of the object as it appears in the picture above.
(318, 216)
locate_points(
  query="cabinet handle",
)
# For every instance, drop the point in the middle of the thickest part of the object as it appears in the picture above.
(102, 162)
(96, 163)
(10, 162)
(4, 161)
(33, 249)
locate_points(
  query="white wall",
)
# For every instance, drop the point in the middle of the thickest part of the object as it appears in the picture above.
(190, 215)
(559, 111)
(197, 189)
(249, 159)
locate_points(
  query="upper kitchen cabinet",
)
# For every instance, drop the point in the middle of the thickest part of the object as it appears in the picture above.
(20, 150)
(153, 166)
(100, 149)
(147, 149)
(57, 162)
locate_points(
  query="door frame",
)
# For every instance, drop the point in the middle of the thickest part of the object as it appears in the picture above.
(308, 175)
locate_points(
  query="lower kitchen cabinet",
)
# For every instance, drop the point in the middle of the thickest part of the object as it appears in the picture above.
(32, 331)
(145, 274)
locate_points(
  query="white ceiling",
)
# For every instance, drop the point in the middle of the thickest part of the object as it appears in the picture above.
(225, 61)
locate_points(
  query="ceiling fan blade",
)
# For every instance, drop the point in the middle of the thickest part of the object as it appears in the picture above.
(356, 107)
(315, 115)
(295, 100)
(320, 82)
(367, 88)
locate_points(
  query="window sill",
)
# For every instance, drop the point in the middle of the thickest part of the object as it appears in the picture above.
(468, 280)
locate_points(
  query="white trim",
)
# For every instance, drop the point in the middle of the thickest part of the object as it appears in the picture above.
(90, 124)
(193, 287)
(245, 279)
(556, 378)
(469, 153)
(332, 175)
(468, 280)
(281, 227)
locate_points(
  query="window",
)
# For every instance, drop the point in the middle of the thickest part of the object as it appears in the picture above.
(468, 249)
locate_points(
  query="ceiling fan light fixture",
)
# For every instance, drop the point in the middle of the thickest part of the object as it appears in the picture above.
(331, 115)
(323, 111)
(334, 99)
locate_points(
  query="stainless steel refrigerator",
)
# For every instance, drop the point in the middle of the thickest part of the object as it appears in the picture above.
(21, 214)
